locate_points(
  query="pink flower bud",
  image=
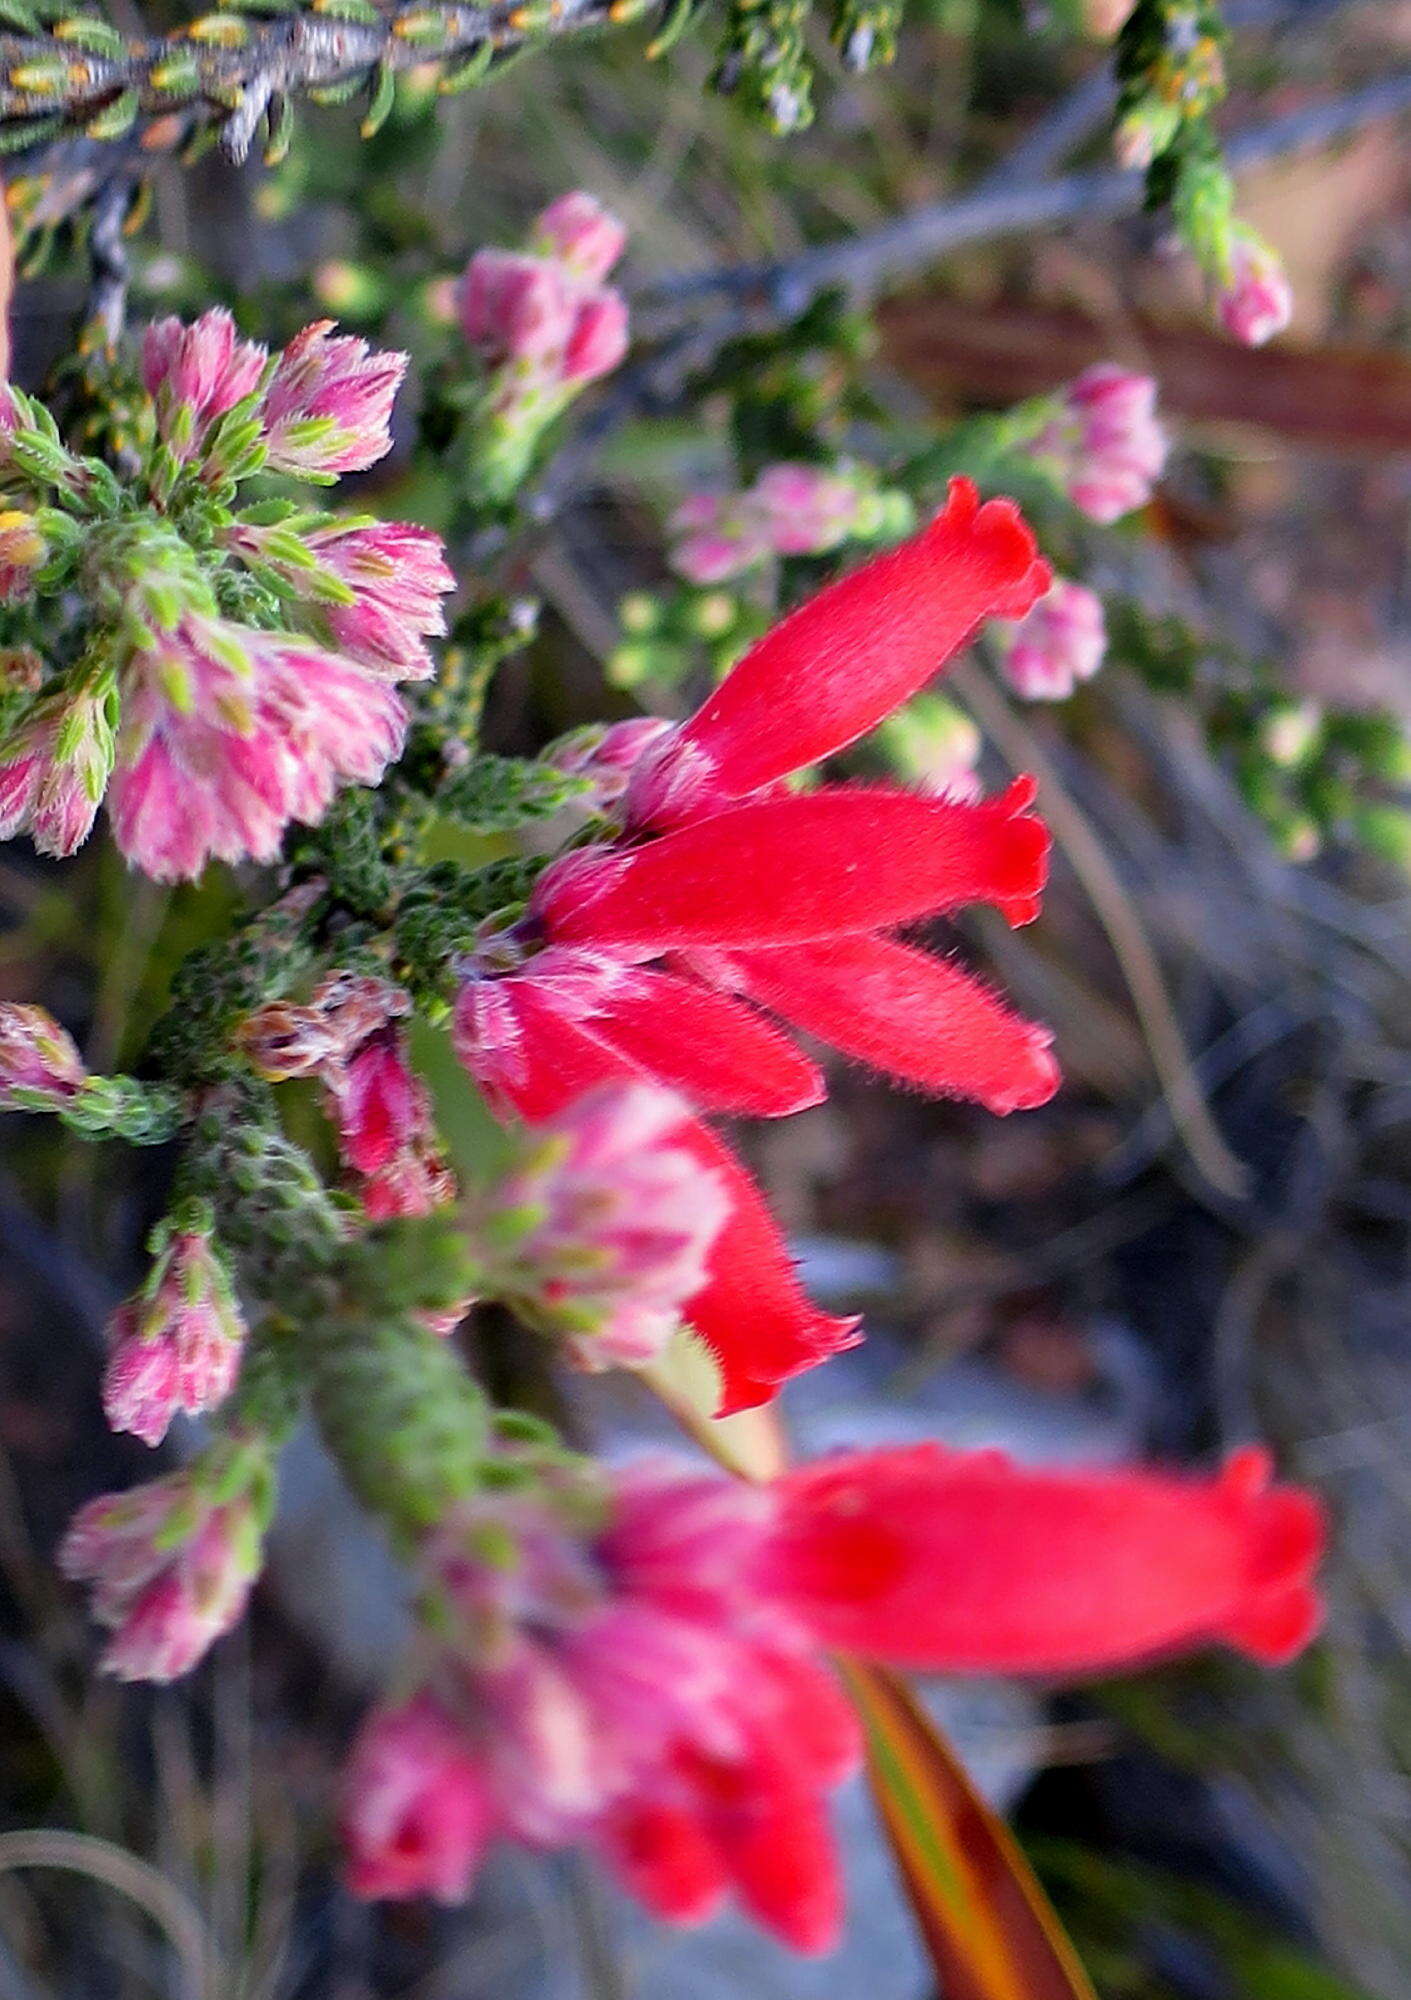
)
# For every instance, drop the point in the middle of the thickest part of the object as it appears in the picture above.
(1060, 643)
(176, 1344)
(196, 373)
(39, 1065)
(328, 407)
(170, 1568)
(54, 769)
(1105, 445)
(602, 1230)
(580, 231)
(606, 754)
(1255, 300)
(721, 535)
(515, 307)
(397, 575)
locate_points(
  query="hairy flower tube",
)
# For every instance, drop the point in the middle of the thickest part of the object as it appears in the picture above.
(652, 956)
(634, 1661)
(235, 668)
(39, 1064)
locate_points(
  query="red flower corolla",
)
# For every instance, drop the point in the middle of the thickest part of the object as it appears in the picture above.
(638, 1668)
(758, 898)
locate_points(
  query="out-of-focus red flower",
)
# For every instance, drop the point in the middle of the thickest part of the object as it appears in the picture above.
(638, 1667)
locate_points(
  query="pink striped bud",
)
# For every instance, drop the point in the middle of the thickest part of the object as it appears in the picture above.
(169, 1565)
(54, 769)
(328, 407)
(514, 307)
(39, 1065)
(195, 373)
(176, 1344)
(1104, 444)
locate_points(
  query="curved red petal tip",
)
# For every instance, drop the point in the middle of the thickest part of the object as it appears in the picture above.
(1033, 1079)
(820, 1336)
(997, 537)
(1027, 854)
(1285, 1532)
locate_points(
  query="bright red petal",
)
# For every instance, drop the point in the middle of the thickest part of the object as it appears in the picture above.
(718, 1053)
(833, 863)
(904, 1012)
(752, 1313)
(771, 1829)
(962, 1562)
(663, 1856)
(848, 657)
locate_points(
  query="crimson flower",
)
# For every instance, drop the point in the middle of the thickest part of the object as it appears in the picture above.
(651, 955)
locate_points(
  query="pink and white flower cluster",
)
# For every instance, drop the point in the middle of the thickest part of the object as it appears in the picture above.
(543, 319)
(1056, 646)
(791, 510)
(602, 1228)
(176, 1344)
(1103, 442)
(211, 736)
(171, 1564)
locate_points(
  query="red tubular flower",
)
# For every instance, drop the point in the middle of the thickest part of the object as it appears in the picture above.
(835, 863)
(848, 657)
(962, 1562)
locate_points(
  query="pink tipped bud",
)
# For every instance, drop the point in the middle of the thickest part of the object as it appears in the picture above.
(807, 509)
(1060, 643)
(196, 373)
(1255, 301)
(328, 407)
(1104, 444)
(720, 536)
(398, 576)
(597, 338)
(515, 307)
(176, 1344)
(606, 754)
(582, 234)
(603, 1230)
(54, 770)
(170, 1570)
(39, 1065)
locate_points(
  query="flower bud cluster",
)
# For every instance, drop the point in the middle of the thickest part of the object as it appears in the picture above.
(176, 1343)
(544, 323)
(790, 510)
(1057, 646)
(1100, 439)
(233, 668)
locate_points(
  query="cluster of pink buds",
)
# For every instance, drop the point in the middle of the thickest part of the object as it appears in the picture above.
(351, 1035)
(208, 735)
(39, 1065)
(543, 320)
(175, 1344)
(636, 1661)
(171, 1562)
(1253, 298)
(601, 1229)
(1056, 646)
(791, 510)
(1102, 442)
